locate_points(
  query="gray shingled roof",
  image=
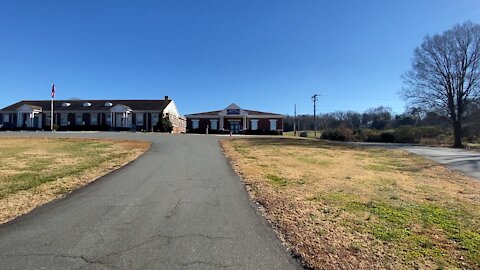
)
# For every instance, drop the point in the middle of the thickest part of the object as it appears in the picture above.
(97, 105)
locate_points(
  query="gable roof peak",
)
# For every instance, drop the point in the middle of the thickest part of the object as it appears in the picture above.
(233, 106)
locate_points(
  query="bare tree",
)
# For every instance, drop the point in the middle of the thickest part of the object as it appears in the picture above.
(445, 74)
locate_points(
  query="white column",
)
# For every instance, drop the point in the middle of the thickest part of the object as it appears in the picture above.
(221, 122)
(244, 122)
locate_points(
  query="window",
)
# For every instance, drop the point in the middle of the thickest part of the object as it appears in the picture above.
(87, 104)
(6, 118)
(273, 124)
(109, 119)
(78, 119)
(108, 104)
(139, 119)
(154, 118)
(213, 124)
(254, 124)
(47, 119)
(195, 124)
(93, 119)
(63, 119)
(66, 104)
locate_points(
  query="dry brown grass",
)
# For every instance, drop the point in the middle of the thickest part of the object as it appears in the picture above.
(345, 207)
(34, 171)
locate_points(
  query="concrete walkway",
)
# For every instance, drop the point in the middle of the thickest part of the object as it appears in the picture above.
(179, 206)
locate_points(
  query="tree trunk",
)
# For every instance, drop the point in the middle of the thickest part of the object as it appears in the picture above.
(457, 134)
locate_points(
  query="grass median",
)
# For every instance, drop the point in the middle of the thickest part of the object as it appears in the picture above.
(34, 171)
(346, 207)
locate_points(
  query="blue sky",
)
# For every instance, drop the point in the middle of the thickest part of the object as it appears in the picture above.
(262, 55)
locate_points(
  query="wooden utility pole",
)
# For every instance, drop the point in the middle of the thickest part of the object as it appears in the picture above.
(315, 99)
(295, 120)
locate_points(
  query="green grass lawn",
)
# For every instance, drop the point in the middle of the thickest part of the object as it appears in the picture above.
(45, 168)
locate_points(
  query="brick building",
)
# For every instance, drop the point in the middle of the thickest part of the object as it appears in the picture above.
(92, 115)
(235, 120)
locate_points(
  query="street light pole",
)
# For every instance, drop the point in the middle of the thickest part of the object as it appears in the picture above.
(315, 99)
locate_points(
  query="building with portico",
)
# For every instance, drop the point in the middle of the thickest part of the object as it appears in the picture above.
(236, 120)
(92, 115)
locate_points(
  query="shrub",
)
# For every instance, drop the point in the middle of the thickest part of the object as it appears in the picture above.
(343, 134)
(387, 136)
(407, 134)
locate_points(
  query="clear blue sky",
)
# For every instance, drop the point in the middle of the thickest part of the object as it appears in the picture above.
(262, 55)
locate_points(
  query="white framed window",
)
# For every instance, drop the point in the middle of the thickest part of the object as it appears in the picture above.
(195, 124)
(213, 124)
(254, 124)
(63, 119)
(93, 119)
(139, 119)
(78, 119)
(47, 119)
(273, 124)
(154, 118)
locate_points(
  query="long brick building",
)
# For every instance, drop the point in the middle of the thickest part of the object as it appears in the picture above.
(234, 119)
(92, 115)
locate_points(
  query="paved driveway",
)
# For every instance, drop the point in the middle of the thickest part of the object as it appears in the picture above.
(179, 206)
(464, 161)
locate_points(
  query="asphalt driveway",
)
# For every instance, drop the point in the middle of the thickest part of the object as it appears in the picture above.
(179, 206)
(464, 161)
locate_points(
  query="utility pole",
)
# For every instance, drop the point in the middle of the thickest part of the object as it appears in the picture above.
(295, 120)
(315, 99)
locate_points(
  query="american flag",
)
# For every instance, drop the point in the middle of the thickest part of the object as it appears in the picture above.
(53, 90)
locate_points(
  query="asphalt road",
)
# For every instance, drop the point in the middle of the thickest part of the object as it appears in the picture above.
(179, 206)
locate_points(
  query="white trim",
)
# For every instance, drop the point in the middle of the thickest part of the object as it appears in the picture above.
(254, 123)
(212, 122)
(195, 124)
(273, 121)
(249, 116)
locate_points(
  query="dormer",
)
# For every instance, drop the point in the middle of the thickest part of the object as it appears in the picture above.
(108, 104)
(87, 104)
(66, 104)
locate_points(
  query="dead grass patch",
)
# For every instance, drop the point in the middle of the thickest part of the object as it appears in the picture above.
(34, 171)
(347, 207)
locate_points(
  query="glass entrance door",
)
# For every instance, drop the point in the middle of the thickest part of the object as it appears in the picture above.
(235, 127)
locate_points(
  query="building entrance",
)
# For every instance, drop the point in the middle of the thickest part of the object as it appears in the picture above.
(235, 127)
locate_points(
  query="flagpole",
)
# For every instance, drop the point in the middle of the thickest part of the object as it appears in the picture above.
(51, 110)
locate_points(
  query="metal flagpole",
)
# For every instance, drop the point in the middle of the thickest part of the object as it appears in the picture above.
(51, 110)
(51, 117)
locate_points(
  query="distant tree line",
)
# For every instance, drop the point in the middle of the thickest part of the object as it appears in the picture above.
(381, 124)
